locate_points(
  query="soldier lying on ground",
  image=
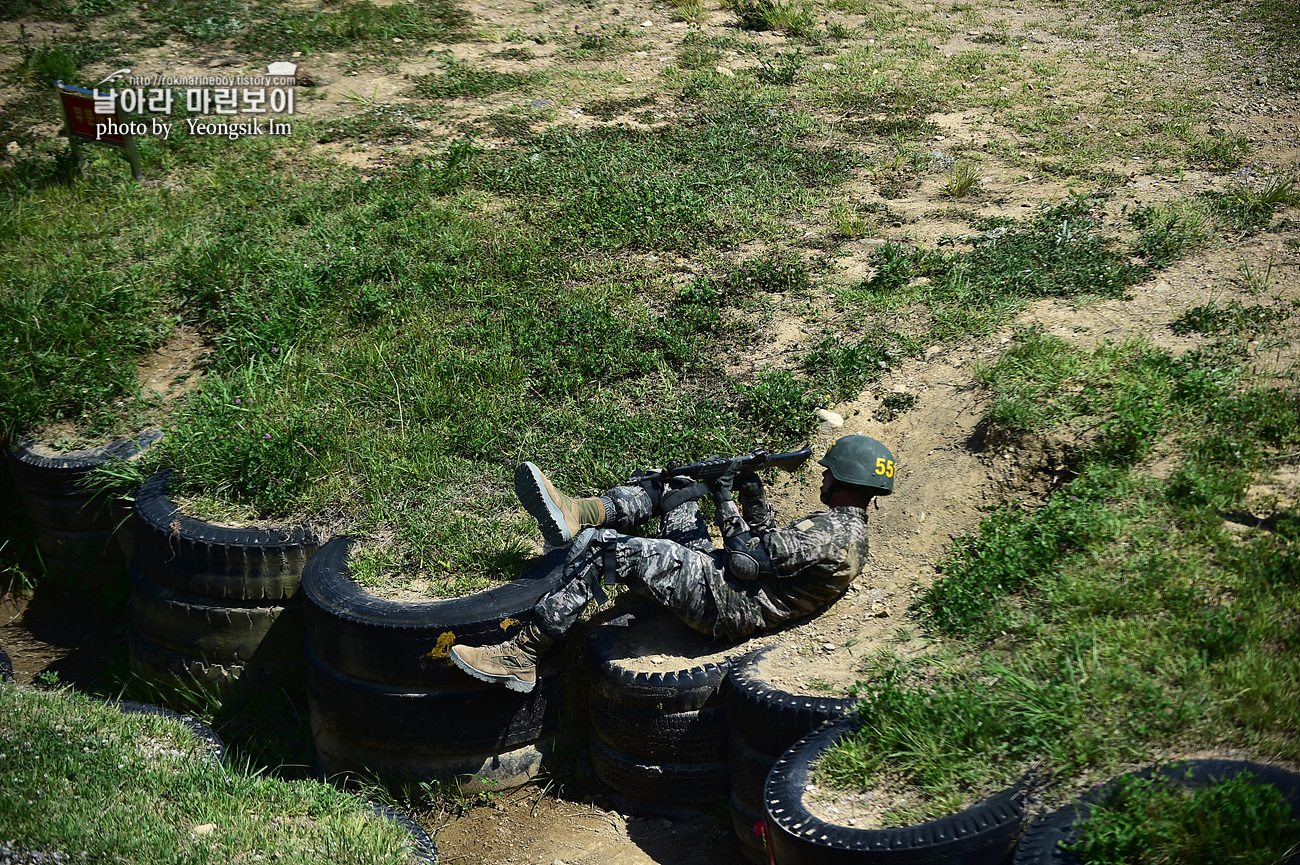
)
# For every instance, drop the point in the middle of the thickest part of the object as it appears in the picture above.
(764, 578)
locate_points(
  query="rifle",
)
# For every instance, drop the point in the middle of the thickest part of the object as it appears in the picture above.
(715, 467)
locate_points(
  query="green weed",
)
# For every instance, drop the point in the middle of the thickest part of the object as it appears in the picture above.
(1220, 150)
(461, 78)
(599, 44)
(961, 180)
(892, 405)
(1231, 318)
(782, 71)
(1156, 819)
(1170, 231)
(792, 18)
(1255, 278)
(1248, 206)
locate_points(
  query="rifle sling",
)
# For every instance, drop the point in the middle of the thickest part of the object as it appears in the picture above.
(673, 498)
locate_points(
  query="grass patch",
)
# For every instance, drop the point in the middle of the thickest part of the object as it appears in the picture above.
(1248, 207)
(1160, 820)
(1120, 618)
(676, 188)
(84, 780)
(365, 334)
(1059, 253)
(1230, 318)
(460, 78)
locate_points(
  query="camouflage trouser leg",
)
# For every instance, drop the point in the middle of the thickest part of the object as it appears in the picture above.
(673, 569)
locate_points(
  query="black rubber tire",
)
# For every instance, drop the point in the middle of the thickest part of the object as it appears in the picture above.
(981, 835)
(470, 717)
(422, 847)
(199, 558)
(6, 667)
(180, 671)
(1041, 842)
(52, 472)
(767, 719)
(763, 721)
(699, 785)
(386, 701)
(228, 632)
(696, 736)
(213, 748)
(80, 536)
(338, 760)
(743, 818)
(675, 691)
(659, 739)
(394, 643)
(748, 770)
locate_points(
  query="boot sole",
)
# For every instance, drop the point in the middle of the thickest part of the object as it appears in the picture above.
(512, 683)
(532, 493)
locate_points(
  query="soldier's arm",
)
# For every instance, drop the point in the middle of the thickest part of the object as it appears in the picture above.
(754, 506)
(809, 541)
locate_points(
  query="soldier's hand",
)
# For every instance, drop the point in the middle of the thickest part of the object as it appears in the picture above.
(749, 485)
(722, 484)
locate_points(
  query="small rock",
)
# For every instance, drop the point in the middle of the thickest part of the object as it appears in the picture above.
(1261, 80)
(1161, 287)
(540, 103)
(203, 829)
(829, 647)
(831, 419)
(829, 67)
(647, 24)
(724, 72)
(667, 824)
(13, 148)
(880, 611)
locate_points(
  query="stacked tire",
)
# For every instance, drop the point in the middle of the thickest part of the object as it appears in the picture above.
(77, 532)
(763, 722)
(983, 834)
(213, 608)
(658, 740)
(388, 705)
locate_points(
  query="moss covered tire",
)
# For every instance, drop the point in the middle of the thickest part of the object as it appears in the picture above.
(659, 740)
(388, 704)
(1041, 844)
(81, 536)
(763, 721)
(981, 835)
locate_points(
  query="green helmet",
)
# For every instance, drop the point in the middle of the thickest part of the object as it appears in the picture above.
(861, 460)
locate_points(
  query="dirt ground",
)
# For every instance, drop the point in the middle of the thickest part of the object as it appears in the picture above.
(949, 476)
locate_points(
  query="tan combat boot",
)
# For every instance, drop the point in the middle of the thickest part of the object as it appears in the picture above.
(512, 663)
(560, 517)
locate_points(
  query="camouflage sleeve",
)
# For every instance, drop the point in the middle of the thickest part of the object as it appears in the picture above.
(754, 506)
(815, 540)
(729, 520)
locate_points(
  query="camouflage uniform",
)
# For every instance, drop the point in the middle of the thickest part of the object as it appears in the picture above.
(813, 563)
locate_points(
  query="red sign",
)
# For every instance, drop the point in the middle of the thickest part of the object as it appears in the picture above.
(83, 122)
